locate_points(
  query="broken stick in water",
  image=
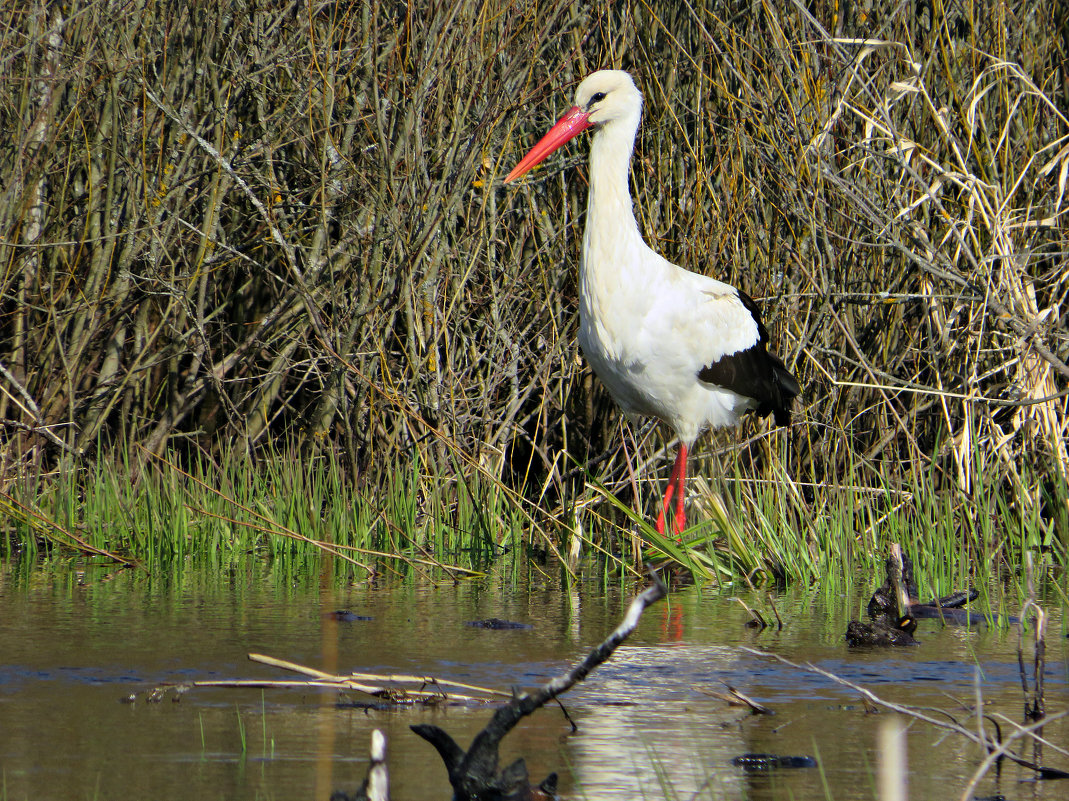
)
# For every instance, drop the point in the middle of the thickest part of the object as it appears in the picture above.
(474, 774)
(376, 785)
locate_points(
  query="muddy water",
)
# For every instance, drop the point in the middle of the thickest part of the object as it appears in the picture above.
(73, 643)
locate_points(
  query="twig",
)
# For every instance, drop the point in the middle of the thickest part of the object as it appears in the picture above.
(474, 773)
(287, 248)
(736, 698)
(1034, 703)
(949, 724)
(357, 682)
(1003, 751)
(772, 603)
(756, 619)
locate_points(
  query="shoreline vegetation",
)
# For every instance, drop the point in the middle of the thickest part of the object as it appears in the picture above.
(263, 292)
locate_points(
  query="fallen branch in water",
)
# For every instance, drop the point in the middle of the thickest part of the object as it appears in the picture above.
(1034, 703)
(996, 748)
(734, 698)
(389, 688)
(474, 774)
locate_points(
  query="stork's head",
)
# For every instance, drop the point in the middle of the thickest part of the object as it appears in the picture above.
(603, 97)
(608, 95)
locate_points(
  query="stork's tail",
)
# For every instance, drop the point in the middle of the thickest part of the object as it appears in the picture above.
(785, 389)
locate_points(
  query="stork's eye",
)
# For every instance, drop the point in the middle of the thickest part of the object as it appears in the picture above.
(597, 97)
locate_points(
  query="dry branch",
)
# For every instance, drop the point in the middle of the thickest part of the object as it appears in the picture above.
(474, 774)
(944, 721)
(394, 689)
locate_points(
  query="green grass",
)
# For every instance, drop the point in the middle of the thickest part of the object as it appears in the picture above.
(756, 525)
(282, 507)
(358, 345)
(768, 529)
(241, 731)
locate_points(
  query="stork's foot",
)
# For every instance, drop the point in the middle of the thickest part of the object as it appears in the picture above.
(680, 523)
(665, 503)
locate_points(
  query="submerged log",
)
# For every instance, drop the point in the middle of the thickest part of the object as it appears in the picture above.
(497, 624)
(866, 635)
(895, 610)
(474, 773)
(888, 607)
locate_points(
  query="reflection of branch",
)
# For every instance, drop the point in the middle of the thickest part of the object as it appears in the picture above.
(1003, 750)
(949, 723)
(1034, 704)
(655, 592)
(474, 774)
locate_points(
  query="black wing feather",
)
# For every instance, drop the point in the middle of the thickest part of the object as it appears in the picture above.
(755, 373)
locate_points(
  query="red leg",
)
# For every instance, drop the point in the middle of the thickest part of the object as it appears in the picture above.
(669, 491)
(681, 519)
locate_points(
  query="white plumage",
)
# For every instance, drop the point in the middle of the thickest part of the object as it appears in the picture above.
(667, 343)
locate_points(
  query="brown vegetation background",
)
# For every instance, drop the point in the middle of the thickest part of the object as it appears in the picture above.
(230, 228)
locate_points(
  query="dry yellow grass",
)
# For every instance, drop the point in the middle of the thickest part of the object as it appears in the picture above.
(254, 224)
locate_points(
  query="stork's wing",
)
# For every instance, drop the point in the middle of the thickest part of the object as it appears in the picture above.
(753, 372)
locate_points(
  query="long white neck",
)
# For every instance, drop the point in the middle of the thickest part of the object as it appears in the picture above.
(617, 269)
(611, 228)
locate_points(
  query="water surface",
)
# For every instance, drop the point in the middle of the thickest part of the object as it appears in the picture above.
(75, 642)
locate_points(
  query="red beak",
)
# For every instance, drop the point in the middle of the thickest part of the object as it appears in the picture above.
(567, 128)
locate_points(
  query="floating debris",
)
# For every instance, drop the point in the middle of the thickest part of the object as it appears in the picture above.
(889, 626)
(734, 698)
(879, 634)
(345, 616)
(497, 623)
(762, 762)
(394, 689)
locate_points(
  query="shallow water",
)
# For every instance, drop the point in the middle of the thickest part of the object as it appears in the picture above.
(73, 643)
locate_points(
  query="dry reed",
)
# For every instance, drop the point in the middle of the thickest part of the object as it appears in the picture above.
(275, 223)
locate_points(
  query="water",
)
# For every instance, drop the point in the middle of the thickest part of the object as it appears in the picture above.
(73, 643)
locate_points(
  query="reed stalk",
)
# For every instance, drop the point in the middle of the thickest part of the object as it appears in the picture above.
(240, 230)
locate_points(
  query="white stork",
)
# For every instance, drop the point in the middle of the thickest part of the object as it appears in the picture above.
(667, 343)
